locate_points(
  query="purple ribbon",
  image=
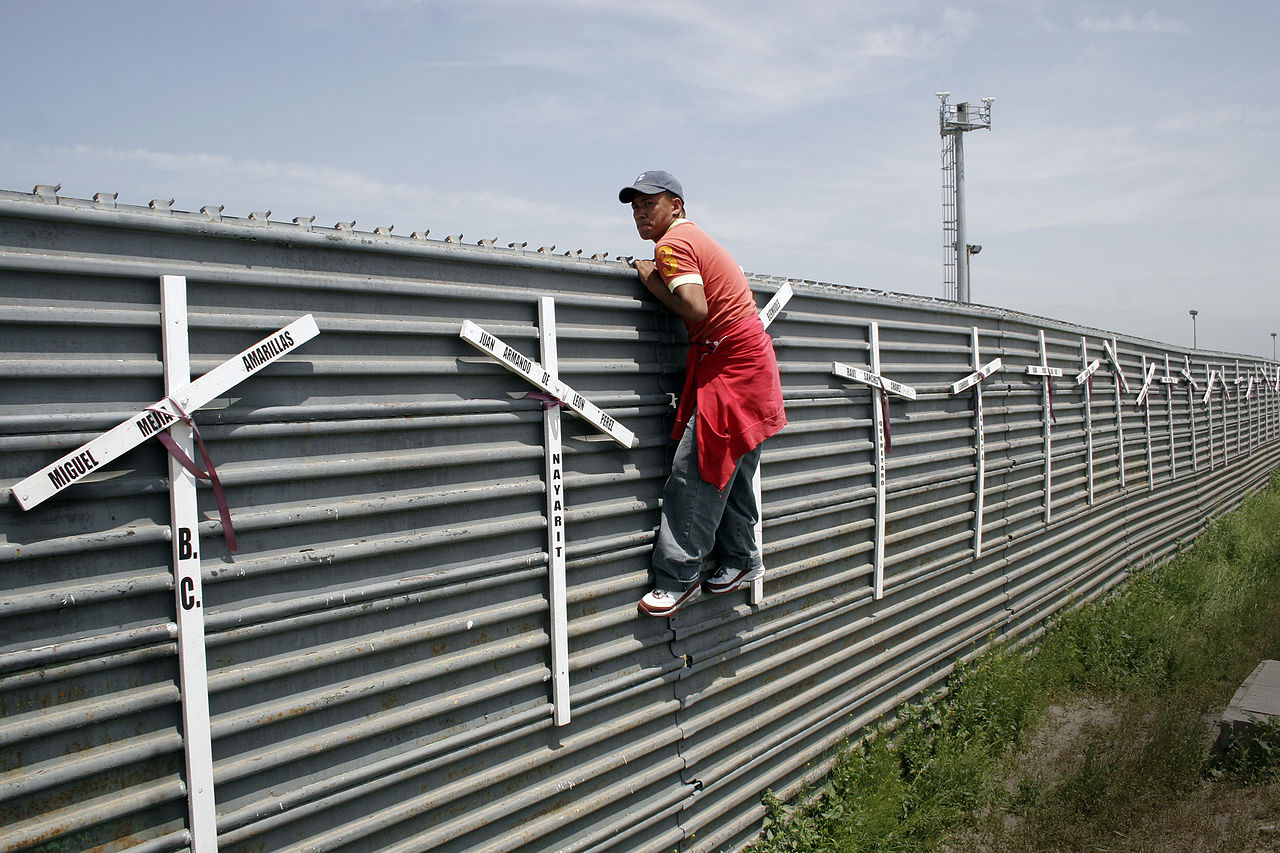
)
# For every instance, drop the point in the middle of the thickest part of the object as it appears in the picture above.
(888, 432)
(208, 473)
(549, 401)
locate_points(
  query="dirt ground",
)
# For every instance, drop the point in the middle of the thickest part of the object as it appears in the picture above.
(1076, 786)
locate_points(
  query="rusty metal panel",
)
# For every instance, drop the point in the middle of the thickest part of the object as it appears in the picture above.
(378, 648)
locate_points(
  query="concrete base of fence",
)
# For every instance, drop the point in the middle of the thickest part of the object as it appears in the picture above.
(1255, 706)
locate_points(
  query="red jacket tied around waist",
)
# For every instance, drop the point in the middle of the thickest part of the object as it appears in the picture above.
(733, 385)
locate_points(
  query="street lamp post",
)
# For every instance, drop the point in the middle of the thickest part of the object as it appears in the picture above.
(1193, 312)
(970, 249)
(1273, 346)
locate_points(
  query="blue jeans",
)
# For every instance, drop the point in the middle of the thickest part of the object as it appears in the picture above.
(697, 518)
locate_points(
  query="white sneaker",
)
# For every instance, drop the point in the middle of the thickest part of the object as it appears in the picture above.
(727, 580)
(661, 602)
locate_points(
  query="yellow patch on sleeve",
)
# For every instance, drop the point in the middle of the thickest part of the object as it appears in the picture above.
(667, 264)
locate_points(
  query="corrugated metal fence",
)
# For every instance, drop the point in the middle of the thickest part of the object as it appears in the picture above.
(379, 650)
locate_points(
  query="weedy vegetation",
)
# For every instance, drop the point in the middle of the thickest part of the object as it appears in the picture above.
(1098, 740)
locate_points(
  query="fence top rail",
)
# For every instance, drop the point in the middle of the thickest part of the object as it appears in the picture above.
(44, 202)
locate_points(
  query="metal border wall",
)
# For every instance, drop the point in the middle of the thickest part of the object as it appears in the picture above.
(379, 650)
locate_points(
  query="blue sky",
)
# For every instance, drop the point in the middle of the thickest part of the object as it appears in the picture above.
(1130, 174)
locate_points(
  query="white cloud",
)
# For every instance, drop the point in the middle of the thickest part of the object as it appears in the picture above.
(1150, 22)
(732, 63)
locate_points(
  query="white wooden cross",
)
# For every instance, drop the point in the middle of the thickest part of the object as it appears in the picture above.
(1273, 384)
(1149, 375)
(974, 380)
(1192, 388)
(553, 453)
(173, 408)
(1185, 373)
(1046, 405)
(1211, 377)
(884, 387)
(1275, 391)
(1168, 381)
(1248, 396)
(1239, 397)
(1144, 400)
(979, 373)
(1226, 393)
(1110, 349)
(1085, 378)
(768, 314)
(182, 399)
(1089, 369)
(544, 376)
(872, 378)
(1264, 403)
(775, 305)
(546, 381)
(1264, 410)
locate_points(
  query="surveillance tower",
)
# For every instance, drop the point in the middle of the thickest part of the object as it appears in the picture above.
(953, 121)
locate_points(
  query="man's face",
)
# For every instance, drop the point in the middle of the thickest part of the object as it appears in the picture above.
(655, 213)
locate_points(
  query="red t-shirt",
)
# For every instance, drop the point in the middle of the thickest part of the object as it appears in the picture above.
(687, 255)
(731, 373)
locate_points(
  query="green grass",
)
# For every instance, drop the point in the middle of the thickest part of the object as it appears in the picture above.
(1096, 742)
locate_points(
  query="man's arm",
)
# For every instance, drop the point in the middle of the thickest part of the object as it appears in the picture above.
(689, 301)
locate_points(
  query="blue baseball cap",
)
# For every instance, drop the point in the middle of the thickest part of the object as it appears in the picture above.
(651, 183)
